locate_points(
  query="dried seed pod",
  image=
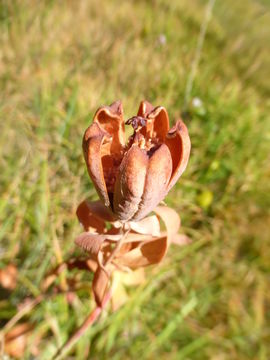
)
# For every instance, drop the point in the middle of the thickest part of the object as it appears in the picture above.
(131, 179)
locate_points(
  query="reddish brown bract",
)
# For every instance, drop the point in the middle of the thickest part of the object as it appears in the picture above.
(131, 179)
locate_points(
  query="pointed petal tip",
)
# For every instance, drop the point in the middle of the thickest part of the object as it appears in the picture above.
(117, 107)
(179, 144)
(145, 108)
(179, 126)
(111, 120)
(105, 112)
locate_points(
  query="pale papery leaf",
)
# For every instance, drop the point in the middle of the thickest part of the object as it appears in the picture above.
(132, 237)
(171, 220)
(113, 237)
(153, 251)
(149, 225)
(133, 278)
(117, 224)
(122, 279)
(121, 268)
(119, 294)
(100, 285)
(146, 254)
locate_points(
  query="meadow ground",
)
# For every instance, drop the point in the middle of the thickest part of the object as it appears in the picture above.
(59, 61)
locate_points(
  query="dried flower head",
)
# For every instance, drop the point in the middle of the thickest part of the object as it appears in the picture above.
(132, 178)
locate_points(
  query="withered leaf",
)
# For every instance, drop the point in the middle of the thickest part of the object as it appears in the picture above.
(92, 242)
(8, 277)
(93, 215)
(16, 340)
(171, 220)
(100, 285)
(149, 225)
(146, 254)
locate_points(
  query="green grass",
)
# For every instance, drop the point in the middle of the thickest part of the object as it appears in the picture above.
(59, 61)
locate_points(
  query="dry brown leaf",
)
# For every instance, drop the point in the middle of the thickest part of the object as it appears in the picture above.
(93, 215)
(100, 285)
(16, 340)
(90, 242)
(8, 277)
(145, 254)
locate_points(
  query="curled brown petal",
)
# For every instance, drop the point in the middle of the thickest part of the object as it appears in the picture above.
(145, 108)
(103, 145)
(157, 179)
(129, 185)
(160, 119)
(178, 142)
(171, 220)
(93, 140)
(110, 118)
(157, 124)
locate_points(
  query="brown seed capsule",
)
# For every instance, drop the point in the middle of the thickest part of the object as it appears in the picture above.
(131, 179)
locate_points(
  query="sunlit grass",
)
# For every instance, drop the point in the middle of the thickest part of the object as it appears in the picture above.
(59, 61)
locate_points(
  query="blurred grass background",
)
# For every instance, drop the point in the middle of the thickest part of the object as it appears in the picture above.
(59, 61)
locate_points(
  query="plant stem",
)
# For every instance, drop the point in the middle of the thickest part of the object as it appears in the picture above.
(91, 318)
(117, 248)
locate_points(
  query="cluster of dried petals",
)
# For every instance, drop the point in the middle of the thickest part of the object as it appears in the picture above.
(142, 244)
(132, 178)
